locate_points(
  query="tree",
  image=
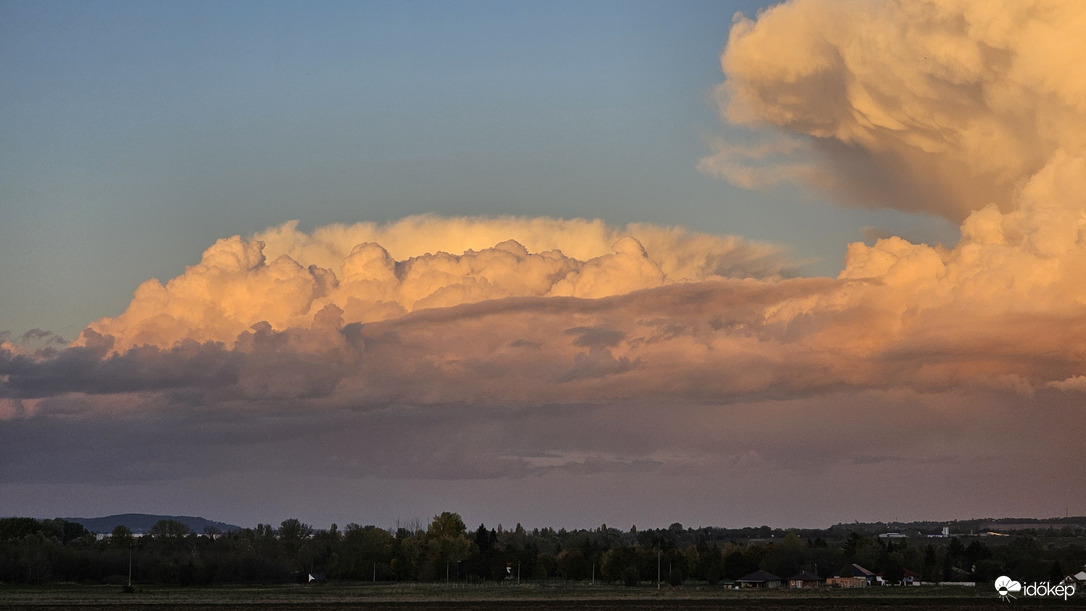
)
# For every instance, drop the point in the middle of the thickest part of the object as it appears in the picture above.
(448, 524)
(955, 552)
(786, 557)
(616, 562)
(293, 534)
(484, 538)
(975, 552)
(852, 543)
(1055, 572)
(169, 529)
(738, 562)
(34, 553)
(710, 563)
(447, 541)
(931, 561)
(121, 536)
(294, 530)
(484, 563)
(366, 552)
(572, 565)
(894, 571)
(408, 556)
(12, 529)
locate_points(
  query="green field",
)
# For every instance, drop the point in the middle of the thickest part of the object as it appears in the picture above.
(534, 596)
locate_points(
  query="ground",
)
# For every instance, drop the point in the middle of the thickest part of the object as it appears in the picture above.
(528, 597)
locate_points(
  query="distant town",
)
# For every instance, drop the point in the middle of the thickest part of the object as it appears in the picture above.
(178, 550)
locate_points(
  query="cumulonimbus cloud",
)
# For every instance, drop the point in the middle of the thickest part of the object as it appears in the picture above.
(961, 109)
(428, 309)
(937, 106)
(285, 277)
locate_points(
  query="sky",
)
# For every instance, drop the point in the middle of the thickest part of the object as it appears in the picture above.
(555, 263)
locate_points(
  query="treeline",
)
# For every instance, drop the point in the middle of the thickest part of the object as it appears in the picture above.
(42, 551)
(1043, 527)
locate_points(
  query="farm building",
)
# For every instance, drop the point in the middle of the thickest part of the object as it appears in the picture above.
(760, 579)
(804, 579)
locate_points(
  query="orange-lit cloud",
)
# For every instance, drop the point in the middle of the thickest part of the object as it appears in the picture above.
(945, 107)
(286, 278)
(492, 310)
(939, 106)
(482, 348)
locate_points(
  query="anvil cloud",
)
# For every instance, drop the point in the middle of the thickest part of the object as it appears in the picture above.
(538, 356)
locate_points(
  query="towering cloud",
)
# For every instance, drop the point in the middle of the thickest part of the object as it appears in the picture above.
(287, 278)
(951, 98)
(961, 109)
(509, 347)
(938, 106)
(947, 97)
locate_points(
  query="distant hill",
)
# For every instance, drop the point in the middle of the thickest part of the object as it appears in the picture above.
(141, 523)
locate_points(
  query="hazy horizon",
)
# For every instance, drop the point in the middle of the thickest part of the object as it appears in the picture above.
(422, 523)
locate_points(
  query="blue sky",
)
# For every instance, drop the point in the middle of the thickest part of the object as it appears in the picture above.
(136, 134)
(589, 371)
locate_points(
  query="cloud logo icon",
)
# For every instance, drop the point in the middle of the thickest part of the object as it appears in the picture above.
(1005, 585)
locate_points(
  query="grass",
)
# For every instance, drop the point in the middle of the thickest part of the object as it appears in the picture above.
(462, 597)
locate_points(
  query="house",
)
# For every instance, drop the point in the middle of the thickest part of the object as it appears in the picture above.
(846, 582)
(760, 579)
(859, 571)
(853, 576)
(804, 579)
(909, 578)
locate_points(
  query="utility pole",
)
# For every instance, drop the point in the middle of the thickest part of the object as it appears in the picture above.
(657, 568)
